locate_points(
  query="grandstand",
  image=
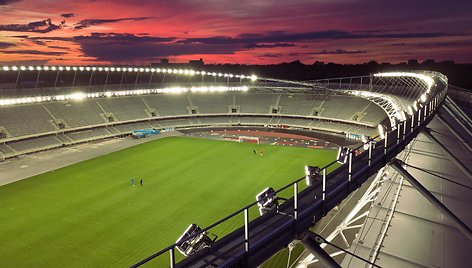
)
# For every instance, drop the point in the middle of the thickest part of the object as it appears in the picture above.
(400, 105)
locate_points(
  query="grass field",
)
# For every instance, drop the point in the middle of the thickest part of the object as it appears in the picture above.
(89, 215)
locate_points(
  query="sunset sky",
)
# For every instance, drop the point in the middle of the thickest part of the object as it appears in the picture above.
(233, 31)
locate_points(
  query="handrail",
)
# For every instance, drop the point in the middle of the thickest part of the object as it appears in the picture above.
(423, 114)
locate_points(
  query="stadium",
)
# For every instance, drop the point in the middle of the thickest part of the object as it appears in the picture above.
(162, 167)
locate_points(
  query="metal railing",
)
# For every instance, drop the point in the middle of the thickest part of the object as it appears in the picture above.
(251, 239)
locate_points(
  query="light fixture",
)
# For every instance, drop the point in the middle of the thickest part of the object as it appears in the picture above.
(267, 200)
(343, 153)
(312, 174)
(188, 246)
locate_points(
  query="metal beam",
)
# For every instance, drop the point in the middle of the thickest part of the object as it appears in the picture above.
(397, 165)
(467, 172)
(312, 242)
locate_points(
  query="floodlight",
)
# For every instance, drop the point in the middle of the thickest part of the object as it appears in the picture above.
(46, 68)
(220, 74)
(189, 246)
(136, 69)
(147, 70)
(253, 78)
(343, 153)
(61, 68)
(38, 68)
(87, 68)
(381, 131)
(74, 68)
(67, 68)
(100, 69)
(203, 73)
(267, 200)
(53, 68)
(6, 68)
(180, 71)
(423, 98)
(141, 70)
(312, 174)
(22, 68)
(81, 68)
(14, 68)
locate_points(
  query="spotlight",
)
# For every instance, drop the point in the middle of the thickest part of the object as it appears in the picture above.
(267, 200)
(199, 242)
(312, 174)
(343, 153)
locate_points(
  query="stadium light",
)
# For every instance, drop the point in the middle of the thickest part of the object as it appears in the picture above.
(267, 200)
(381, 131)
(81, 68)
(6, 68)
(312, 174)
(74, 68)
(61, 68)
(22, 68)
(14, 68)
(253, 78)
(53, 68)
(38, 68)
(187, 246)
(87, 68)
(343, 153)
(46, 68)
(31, 68)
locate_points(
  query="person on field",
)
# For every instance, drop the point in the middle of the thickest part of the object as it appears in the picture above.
(141, 182)
(261, 152)
(132, 182)
(255, 152)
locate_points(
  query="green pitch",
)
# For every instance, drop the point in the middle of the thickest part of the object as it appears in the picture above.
(89, 215)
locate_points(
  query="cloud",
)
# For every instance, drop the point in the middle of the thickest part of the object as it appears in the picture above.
(271, 55)
(7, 2)
(33, 52)
(6, 45)
(337, 51)
(43, 26)
(91, 22)
(115, 47)
(269, 45)
(68, 15)
(59, 47)
(280, 36)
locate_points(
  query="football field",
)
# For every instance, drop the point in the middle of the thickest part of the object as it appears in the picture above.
(89, 214)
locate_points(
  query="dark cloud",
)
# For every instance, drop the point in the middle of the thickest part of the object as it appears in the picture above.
(59, 47)
(43, 26)
(68, 15)
(279, 36)
(6, 45)
(115, 37)
(7, 2)
(33, 52)
(91, 22)
(269, 45)
(271, 55)
(338, 51)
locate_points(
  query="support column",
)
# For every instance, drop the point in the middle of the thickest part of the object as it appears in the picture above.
(397, 165)
(467, 172)
(312, 242)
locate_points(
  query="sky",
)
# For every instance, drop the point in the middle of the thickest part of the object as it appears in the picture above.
(92, 32)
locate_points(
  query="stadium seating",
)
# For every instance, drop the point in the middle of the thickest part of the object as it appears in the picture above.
(29, 127)
(25, 120)
(124, 108)
(77, 114)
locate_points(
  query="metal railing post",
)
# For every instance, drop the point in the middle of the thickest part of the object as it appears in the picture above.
(370, 153)
(172, 257)
(385, 142)
(295, 200)
(324, 184)
(246, 230)
(350, 166)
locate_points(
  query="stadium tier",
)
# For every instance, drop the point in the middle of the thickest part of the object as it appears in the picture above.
(29, 127)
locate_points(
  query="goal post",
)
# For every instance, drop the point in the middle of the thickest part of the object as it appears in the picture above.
(249, 139)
